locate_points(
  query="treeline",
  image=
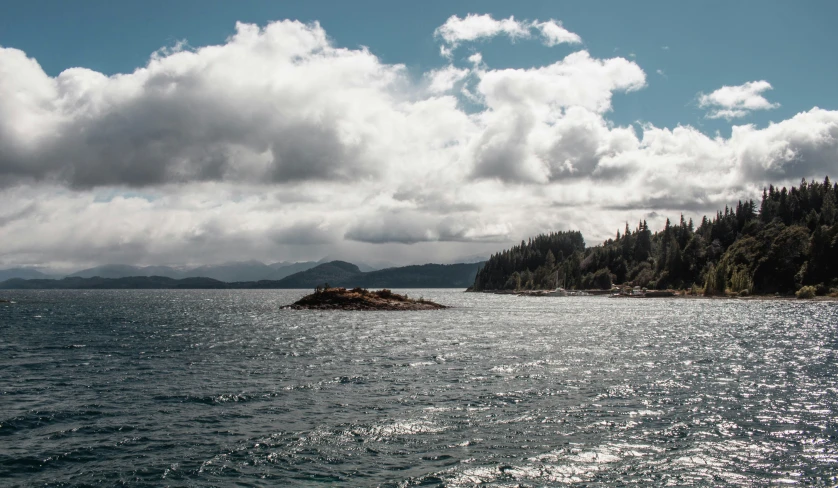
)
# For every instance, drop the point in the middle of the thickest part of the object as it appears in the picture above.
(790, 241)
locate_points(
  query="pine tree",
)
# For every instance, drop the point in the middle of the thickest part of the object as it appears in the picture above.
(829, 209)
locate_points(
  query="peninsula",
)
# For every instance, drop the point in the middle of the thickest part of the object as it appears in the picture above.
(787, 245)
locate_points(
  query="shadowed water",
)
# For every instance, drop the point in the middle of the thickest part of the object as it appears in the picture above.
(194, 388)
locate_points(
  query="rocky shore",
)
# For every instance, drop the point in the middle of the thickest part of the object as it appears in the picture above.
(360, 299)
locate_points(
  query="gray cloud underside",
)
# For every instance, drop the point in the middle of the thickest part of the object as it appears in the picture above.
(410, 228)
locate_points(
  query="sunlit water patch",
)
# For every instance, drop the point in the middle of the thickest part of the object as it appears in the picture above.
(189, 388)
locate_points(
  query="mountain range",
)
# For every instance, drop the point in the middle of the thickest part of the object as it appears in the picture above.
(228, 272)
(335, 273)
(24, 273)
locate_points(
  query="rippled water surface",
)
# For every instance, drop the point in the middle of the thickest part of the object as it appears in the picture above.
(195, 388)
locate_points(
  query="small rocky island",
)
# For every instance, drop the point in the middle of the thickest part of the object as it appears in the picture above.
(326, 298)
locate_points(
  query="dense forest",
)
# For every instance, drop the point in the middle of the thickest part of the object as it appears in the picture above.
(789, 242)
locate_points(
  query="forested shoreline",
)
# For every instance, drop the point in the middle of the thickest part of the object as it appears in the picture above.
(786, 244)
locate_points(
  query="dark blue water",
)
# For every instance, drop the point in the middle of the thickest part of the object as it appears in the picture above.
(196, 388)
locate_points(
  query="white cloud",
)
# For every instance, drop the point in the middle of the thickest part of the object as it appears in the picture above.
(443, 79)
(805, 145)
(527, 109)
(576, 80)
(475, 27)
(731, 102)
(275, 104)
(554, 33)
(727, 113)
(278, 145)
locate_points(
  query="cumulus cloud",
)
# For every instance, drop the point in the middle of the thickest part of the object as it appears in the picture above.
(443, 79)
(278, 104)
(805, 145)
(554, 33)
(576, 80)
(475, 27)
(540, 123)
(731, 102)
(279, 145)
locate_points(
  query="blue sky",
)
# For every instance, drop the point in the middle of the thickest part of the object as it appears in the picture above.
(711, 43)
(359, 138)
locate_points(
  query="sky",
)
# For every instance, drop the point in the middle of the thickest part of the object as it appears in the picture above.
(201, 132)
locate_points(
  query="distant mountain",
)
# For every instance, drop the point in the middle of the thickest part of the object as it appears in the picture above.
(281, 270)
(336, 273)
(419, 276)
(234, 271)
(228, 272)
(167, 271)
(341, 273)
(376, 265)
(118, 271)
(24, 273)
(364, 267)
(474, 258)
(133, 283)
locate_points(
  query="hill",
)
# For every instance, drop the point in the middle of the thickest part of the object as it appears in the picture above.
(336, 273)
(281, 270)
(341, 273)
(124, 271)
(235, 271)
(228, 272)
(24, 273)
(99, 283)
(420, 276)
(790, 242)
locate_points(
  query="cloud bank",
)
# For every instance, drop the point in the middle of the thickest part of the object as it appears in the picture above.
(280, 145)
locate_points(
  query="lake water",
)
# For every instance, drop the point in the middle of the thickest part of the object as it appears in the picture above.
(217, 387)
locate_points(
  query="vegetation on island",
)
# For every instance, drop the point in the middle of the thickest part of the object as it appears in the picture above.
(328, 298)
(788, 243)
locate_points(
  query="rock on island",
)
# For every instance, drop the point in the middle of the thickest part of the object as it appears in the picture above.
(360, 299)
